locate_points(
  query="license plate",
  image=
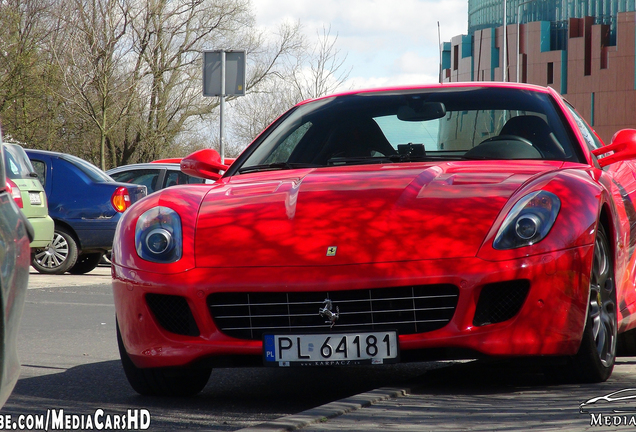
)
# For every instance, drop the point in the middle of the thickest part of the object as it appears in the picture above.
(333, 349)
(35, 199)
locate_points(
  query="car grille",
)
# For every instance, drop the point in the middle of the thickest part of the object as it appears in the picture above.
(498, 302)
(412, 309)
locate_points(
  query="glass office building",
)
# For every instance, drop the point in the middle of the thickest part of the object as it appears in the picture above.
(584, 49)
(484, 14)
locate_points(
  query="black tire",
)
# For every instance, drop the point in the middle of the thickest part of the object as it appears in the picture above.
(178, 381)
(86, 263)
(594, 362)
(59, 256)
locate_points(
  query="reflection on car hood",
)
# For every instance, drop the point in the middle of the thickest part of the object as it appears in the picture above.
(353, 215)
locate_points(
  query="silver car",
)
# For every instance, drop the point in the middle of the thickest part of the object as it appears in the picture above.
(153, 175)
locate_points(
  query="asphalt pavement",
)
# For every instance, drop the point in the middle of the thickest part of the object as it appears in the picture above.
(100, 275)
(469, 396)
(477, 396)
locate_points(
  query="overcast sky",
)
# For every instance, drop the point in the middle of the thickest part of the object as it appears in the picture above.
(387, 42)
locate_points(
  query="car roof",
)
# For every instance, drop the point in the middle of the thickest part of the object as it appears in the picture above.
(454, 85)
(148, 165)
(43, 152)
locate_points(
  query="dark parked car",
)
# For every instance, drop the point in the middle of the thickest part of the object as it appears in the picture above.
(15, 235)
(85, 204)
(153, 175)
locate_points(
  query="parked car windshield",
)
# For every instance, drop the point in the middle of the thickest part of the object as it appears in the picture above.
(475, 123)
(17, 163)
(88, 168)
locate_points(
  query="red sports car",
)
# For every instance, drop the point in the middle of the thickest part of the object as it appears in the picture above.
(400, 224)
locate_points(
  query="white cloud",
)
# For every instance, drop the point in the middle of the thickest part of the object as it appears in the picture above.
(387, 42)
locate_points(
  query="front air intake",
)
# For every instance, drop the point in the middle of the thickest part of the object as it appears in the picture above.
(500, 301)
(173, 314)
(409, 310)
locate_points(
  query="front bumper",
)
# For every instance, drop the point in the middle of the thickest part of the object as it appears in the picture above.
(549, 322)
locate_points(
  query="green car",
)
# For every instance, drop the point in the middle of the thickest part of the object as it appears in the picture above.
(28, 193)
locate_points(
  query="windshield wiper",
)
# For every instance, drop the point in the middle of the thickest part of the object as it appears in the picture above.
(356, 160)
(422, 158)
(275, 166)
(408, 158)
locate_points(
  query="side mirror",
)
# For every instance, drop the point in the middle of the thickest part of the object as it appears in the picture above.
(623, 145)
(204, 163)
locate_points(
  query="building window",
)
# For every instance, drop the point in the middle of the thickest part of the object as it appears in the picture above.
(455, 57)
(550, 73)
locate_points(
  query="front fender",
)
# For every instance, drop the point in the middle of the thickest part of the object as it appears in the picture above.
(581, 200)
(186, 201)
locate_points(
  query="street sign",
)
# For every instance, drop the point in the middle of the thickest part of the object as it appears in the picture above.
(234, 73)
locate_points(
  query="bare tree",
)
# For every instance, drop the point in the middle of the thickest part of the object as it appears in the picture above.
(170, 37)
(92, 59)
(119, 81)
(322, 72)
(305, 74)
(29, 110)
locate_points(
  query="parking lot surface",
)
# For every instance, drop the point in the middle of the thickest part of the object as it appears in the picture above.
(475, 396)
(101, 275)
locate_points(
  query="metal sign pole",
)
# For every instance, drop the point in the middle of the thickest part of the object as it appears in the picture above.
(505, 42)
(222, 110)
(220, 66)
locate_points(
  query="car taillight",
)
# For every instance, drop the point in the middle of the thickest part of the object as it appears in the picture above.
(120, 199)
(15, 193)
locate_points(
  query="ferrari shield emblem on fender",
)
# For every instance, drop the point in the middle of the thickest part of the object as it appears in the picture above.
(331, 250)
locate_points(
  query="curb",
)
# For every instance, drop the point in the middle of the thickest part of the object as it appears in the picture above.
(328, 411)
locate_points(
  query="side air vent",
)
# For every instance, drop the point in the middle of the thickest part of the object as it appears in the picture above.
(173, 314)
(500, 301)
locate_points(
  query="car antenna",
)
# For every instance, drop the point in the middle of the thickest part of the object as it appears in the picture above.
(439, 39)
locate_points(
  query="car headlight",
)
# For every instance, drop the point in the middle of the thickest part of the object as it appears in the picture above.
(529, 221)
(158, 235)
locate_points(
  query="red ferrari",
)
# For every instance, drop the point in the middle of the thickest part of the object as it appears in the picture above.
(400, 224)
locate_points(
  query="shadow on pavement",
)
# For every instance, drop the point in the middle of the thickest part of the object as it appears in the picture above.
(233, 398)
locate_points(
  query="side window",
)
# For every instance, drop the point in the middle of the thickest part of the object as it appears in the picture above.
(13, 170)
(40, 170)
(174, 179)
(178, 178)
(194, 180)
(285, 149)
(146, 177)
(591, 140)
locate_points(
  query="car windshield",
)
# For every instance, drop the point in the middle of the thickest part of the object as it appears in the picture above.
(17, 163)
(443, 124)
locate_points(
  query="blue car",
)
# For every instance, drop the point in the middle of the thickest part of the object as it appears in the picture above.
(85, 204)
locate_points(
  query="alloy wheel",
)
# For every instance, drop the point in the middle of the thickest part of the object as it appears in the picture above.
(602, 304)
(54, 254)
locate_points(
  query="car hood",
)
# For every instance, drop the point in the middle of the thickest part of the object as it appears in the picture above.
(355, 215)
